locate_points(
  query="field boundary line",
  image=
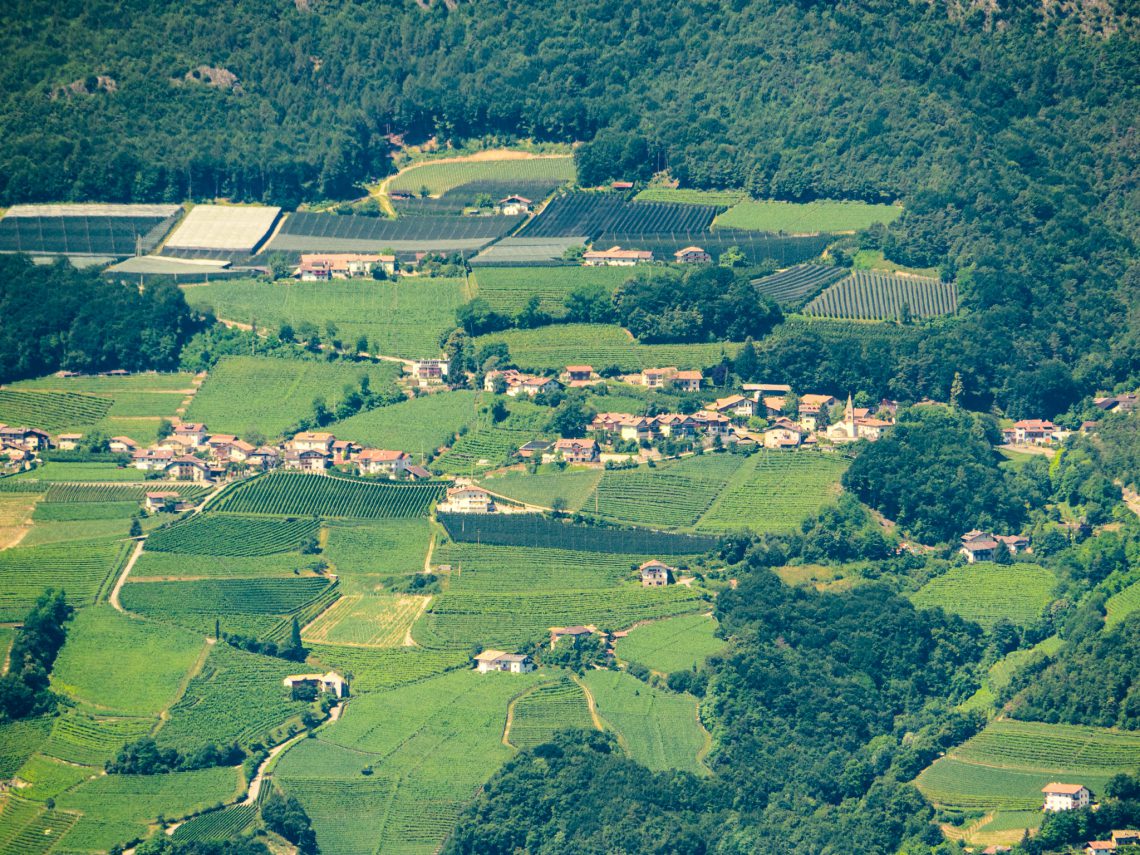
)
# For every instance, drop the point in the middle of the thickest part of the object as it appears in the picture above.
(192, 672)
(114, 598)
(597, 719)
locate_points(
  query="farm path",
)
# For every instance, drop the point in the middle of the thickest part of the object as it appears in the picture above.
(408, 640)
(115, 603)
(593, 707)
(1132, 499)
(430, 550)
(255, 784)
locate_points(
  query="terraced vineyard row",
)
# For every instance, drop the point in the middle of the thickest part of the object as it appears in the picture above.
(484, 568)
(986, 593)
(866, 296)
(1120, 605)
(483, 449)
(51, 410)
(296, 494)
(674, 495)
(81, 568)
(535, 531)
(797, 283)
(55, 491)
(216, 534)
(545, 710)
(224, 824)
(90, 740)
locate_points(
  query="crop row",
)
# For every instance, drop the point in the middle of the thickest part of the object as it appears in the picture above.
(1121, 604)
(84, 739)
(483, 568)
(218, 534)
(61, 492)
(797, 283)
(295, 494)
(37, 834)
(507, 289)
(303, 231)
(592, 214)
(1051, 746)
(224, 824)
(868, 296)
(483, 448)
(387, 668)
(987, 593)
(223, 596)
(80, 235)
(79, 567)
(535, 531)
(51, 410)
(442, 177)
(674, 495)
(545, 710)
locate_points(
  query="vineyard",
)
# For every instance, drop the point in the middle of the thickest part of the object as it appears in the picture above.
(479, 568)
(218, 534)
(1121, 605)
(547, 709)
(865, 296)
(543, 488)
(159, 566)
(245, 393)
(51, 411)
(391, 667)
(254, 606)
(439, 178)
(111, 386)
(528, 252)
(775, 491)
(987, 593)
(26, 828)
(489, 444)
(659, 729)
(600, 345)
(591, 214)
(374, 620)
(417, 426)
(19, 740)
(798, 283)
(717, 198)
(89, 740)
(539, 532)
(312, 232)
(1006, 765)
(238, 697)
(674, 494)
(507, 289)
(80, 511)
(363, 555)
(63, 471)
(218, 825)
(676, 644)
(806, 218)
(80, 567)
(296, 494)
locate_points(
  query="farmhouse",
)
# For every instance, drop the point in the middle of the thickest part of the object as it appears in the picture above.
(1060, 797)
(810, 408)
(512, 206)
(122, 445)
(871, 428)
(519, 383)
(240, 450)
(1099, 847)
(637, 428)
(688, 381)
(264, 457)
(468, 500)
(189, 469)
(577, 450)
(152, 459)
(307, 441)
(381, 461)
(429, 371)
(713, 424)
(307, 461)
(656, 378)
(322, 268)
(734, 405)
(1126, 837)
(68, 441)
(676, 425)
(535, 448)
(192, 434)
(783, 434)
(219, 445)
(165, 501)
(1033, 431)
(332, 682)
(692, 255)
(579, 375)
(615, 256)
(654, 574)
(498, 660)
(557, 633)
(978, 546)
(1125, 403)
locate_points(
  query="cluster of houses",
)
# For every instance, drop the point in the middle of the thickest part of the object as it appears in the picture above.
(19, 444)
(615, 256)
(983, 545)
(1034, 432)
(325, 267)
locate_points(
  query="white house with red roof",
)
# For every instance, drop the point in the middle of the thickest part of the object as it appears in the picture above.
(382, 461)
(1059, 797)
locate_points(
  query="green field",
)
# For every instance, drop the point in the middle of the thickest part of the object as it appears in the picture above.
(82, 472)
(543, 488)
(986, 592)
(657, 728)
(380, 620)
(375, 669)
(364, 555)
(457, 720)
(600, 345)
(250, 393)
(417, 426)
(19, 740)
(298, 494)
(401, 318)
(113, 663)
(483, 568)
(112, 386)
(676, 644)
(175, 565)
(489, 444)
(805, 218)
(547, 709)
(223, 534)
(727, 198)
(673, 494)
(81, 567)
(92, 739)
(51, 411)
(438, 178)
(1006, 765)
(775, 490)
(507, 289)
(1121, 604)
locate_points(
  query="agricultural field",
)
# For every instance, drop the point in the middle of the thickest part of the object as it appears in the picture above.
(482, 568)
(218, 825)
(365, 555)
(805, 218)
(592, 213)
(456, 719)
(51, 411)
(113, 386)
(92, 739)
(1005, 766)
(718, 198)
(402, 318)
(377, 669)
(19, 740)
(81, 568)
(774, 491)
(82, 511)
(535, 531)
(676, 644)
(85, 230)
(224, 534)
(315, 232)
(82, 472)
(438, 178)
(467, 195)
(507, 289)
(366, 620)
(236, 697)
(26, 828)
(164, 566)
(756, 247)
(866, 296)
(986, 592)
(250, 393)
(1120, 605)
(17, 510)
(547, 709)
(670, 495)
(260, 607)
(143, 676)
(600, 345)
(418, 426)
(543, 489)
(873, 259)
(796, 284)
(488, 444)
(657, 728)
(298, 494)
